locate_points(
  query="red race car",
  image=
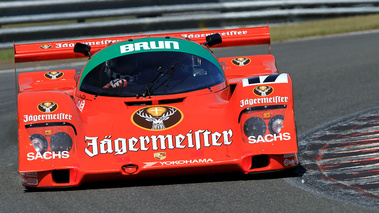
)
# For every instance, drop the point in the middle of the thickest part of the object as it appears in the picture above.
(153, 105)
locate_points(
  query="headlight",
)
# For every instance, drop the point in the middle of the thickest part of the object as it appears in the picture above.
(61, 141)
(39, 143)
(275, 124)
(254, 126)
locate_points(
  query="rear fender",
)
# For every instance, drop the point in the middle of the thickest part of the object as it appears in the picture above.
(59, 80)
(266, 119)
(238, 68)
(47, 131)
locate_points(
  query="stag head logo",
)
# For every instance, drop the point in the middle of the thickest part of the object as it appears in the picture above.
(54, 75)
(157, 117)
(241, 61)
(47, 107)
(263, 90)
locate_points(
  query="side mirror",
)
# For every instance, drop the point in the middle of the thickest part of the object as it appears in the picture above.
(83, 48)
(213, 39)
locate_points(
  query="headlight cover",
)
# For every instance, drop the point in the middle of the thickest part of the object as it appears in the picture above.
(275, 124)
(49, 138)
(39, 143)
(61, 141)
(254, 126)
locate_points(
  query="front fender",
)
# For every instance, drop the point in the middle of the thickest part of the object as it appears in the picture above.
(266, 119)
(47, 131)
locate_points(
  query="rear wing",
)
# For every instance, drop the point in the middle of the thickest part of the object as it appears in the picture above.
(64, 49)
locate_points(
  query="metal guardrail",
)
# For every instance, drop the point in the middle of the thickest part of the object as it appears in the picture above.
(20, 21)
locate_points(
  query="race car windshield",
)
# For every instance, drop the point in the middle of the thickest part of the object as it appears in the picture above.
(152, 73)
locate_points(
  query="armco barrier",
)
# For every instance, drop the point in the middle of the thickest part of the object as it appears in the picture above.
(21, 21)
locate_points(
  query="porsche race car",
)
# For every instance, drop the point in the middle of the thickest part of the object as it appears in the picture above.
(153, 105)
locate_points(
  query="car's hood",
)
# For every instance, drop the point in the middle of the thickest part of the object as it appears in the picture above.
(184, 130)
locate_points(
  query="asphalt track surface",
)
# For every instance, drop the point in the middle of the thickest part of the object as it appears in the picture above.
(333, 77)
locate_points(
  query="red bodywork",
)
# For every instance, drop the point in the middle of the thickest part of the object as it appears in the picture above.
(107, 143)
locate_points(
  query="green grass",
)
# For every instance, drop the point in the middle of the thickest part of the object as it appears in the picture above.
(324, 27)
(298, 30)
(6, 55)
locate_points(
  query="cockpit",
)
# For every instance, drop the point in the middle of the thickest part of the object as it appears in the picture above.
(155, 73)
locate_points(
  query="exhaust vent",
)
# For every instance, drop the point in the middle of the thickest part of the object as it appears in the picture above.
(61, 176)
(171, 101)
(138, 103)
(259, 161)
(146, 103)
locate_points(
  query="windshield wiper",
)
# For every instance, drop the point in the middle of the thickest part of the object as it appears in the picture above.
(208, 87)
(98, 93)
(149, 87)
(152, 83)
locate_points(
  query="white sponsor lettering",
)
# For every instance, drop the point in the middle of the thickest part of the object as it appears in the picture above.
(223, 34)
(30, 174)
(81, 104)
(289, 155)
(181, 162)
(47, 155)
(45, 117)
(91, 43)
(152, 45)
(178, 162)
(268, 100)
(30, 181)
(288, 162)
(120, 146)
(149, 164)
(269, 138)
(108, 41)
